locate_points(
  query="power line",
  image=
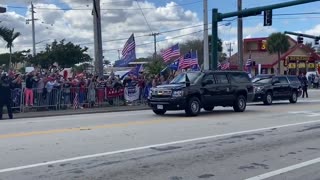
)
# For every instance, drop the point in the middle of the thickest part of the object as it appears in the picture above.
(89, 9)
(175, 37)
(144, 16)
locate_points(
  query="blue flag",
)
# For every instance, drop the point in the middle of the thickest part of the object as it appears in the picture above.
(128, 53)
(174, 65)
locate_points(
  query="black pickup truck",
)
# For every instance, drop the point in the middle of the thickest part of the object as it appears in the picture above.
(268, 88)
(192, 91)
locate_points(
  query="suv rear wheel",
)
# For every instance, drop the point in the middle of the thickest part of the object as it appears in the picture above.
(193, 107)
(159, 112)
(268, 99)
(294, 97)
(208, 108)
(240, 104)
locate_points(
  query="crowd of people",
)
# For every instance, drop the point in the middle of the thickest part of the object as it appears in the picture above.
(46, 91)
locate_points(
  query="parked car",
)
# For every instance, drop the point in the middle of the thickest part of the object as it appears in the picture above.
(269, 88)
(192, 91)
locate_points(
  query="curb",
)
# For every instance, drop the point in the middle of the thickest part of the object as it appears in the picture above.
(37, 115)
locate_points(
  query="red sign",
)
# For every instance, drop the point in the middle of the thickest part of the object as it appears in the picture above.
(112, 93)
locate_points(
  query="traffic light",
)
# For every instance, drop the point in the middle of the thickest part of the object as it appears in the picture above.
(300, 40)
(316, 41)
(267, 20)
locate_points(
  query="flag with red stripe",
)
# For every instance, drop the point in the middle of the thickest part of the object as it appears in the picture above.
(170, 53)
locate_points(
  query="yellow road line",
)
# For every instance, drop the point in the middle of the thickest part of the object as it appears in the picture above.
(104, 126)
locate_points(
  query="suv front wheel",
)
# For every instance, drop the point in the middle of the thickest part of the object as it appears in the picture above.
(193, 107)
(294, 97)
(240, 104)
(268, 99)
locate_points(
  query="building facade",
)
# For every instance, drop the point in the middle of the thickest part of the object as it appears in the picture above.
(298, 59)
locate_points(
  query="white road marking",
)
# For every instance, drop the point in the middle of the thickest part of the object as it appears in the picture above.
(285, 170)
(151, 146)
(306, 113)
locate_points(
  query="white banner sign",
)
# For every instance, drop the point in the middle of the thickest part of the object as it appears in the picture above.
(132, 93)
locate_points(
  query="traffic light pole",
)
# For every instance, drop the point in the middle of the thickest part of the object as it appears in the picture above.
(217, 17)
(303, 35)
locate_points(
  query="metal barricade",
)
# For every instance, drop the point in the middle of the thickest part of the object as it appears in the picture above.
(69, 98)
(16, 97)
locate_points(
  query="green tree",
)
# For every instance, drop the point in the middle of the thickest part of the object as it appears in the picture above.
(65, 54)
(9, 36)
(155, 66)
(278, 43)
(310, 45)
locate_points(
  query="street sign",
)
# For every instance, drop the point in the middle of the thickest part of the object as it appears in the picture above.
(3, 9)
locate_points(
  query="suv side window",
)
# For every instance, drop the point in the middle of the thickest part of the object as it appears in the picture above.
(283, 80)
(208, 77)
(240, 78)
(221, 78)
(293, 79)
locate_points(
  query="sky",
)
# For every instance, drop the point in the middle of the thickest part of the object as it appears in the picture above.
(176, 20)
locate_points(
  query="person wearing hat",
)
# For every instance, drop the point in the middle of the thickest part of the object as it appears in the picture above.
(5, 98)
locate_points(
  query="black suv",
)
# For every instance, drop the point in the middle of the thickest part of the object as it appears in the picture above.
(192, 91)
(276, 87)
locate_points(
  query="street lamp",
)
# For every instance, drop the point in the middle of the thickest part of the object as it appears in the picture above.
(3, 9)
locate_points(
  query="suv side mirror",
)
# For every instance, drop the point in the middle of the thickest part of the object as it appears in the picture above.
(207, 82)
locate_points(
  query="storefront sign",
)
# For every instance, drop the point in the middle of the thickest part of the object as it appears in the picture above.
(302, 65)
(311, 65)
(263, 46)
(298, 58)
(292, 65)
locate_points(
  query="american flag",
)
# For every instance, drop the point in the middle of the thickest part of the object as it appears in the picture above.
(76, 101)
(129, 46)
(225, 66)
(188, 60)
(185, 61)
(194, 59)
(171, 52)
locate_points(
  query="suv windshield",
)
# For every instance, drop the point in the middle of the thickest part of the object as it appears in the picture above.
(262, 80)
(181, 78)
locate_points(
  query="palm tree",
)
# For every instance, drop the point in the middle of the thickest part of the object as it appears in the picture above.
(9, 36)
(278, 43)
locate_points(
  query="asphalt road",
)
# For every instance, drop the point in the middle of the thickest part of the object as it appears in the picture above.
(281, 141)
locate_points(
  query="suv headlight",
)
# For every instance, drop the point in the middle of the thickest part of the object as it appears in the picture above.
(258, 89)
(150, 94)
(178, 93)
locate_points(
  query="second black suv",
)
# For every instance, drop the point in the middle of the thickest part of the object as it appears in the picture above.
(192, 91)
(268, 88)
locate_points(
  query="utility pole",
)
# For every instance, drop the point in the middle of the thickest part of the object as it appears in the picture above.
(240, 37)
(119, 54)
(205, 36)
(98, 55)
(33, 30)
(229, 46)
(155, 44)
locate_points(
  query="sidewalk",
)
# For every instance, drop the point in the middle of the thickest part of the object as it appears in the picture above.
(78, 111)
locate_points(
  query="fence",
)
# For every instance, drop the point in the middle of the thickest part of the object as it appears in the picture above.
(67, 98)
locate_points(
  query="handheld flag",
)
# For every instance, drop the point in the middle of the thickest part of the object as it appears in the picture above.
(171, 52)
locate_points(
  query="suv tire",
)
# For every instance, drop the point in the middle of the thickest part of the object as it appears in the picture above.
(240, 103)
(193, 107)
(294, 97)
(208, 108)
(159, 112)
(268, 98)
